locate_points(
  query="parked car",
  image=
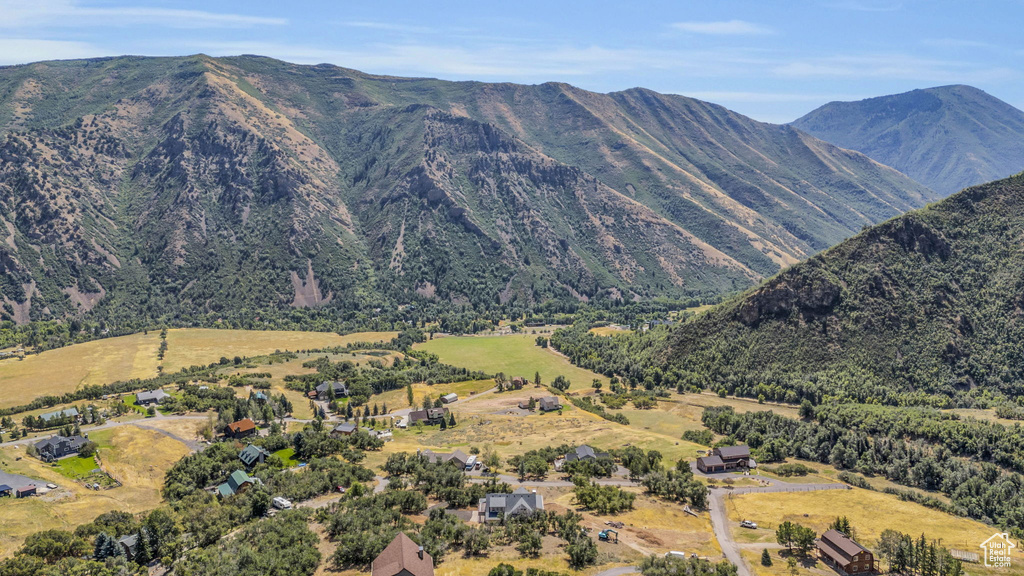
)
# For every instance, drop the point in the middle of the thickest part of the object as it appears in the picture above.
(748, 524)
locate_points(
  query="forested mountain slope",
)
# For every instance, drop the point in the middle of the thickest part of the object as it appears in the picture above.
(931, 302)
(947, 138)
(198, 187)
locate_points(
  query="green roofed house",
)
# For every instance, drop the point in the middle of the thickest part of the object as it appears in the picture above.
(66, 413)
(237, 483)
(253, 455)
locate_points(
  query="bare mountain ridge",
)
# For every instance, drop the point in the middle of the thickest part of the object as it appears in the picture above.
(190, 186)
(948, 137)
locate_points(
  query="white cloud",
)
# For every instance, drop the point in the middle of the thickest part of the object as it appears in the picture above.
(19, 50)
(73, 13)
(723, 28)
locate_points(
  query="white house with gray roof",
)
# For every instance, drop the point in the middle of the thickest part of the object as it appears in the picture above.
(494, 507)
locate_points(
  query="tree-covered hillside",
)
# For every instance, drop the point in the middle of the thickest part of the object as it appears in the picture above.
(926, 308)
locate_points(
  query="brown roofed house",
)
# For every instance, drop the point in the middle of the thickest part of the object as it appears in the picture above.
(846, 556)
(241, 429)
(402, 557)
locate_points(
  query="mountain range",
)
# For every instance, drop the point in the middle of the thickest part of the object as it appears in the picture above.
(930, 304)
(137, 187)
(947, 138)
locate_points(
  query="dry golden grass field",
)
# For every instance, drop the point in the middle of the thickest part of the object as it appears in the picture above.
(610, 331)
(137, 457)
(66, 369)
(135, 356)
(187, 347)
(869, 512)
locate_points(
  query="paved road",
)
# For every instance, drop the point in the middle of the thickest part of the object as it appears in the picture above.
(620, 571)
(720, 519)
(553, 483)
(114, 424)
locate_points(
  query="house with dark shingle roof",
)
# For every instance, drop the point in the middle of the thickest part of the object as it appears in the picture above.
(402, 557)
(585, 452)
(56, 447)
(549, 403)
(237, 483)
(253, 455)
(323, 390)
(151, 397)
(493, 507)
(726, 458)
(129, 544)
(845, 555)
(430, 416)
(344, 429)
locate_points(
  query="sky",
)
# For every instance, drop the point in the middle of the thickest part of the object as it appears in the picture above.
(771, 60)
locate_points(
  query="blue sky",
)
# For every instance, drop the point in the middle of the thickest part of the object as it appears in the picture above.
(771, 60)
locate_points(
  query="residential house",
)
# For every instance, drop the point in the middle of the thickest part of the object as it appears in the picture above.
(253, 455)
(344, 429)
(67, 413)
(430, 416)
(848, 557)
(459, 458)
(259, 397)
(241, 429)
(449, 398)
(518, 382)
(549, 404)
(583, 452)
(25, 491)
(402, 557)
(129, 544)
(56, 447)
(323, 390)
(496, 506)
(726, 458)
(151, 397)
(237, 483)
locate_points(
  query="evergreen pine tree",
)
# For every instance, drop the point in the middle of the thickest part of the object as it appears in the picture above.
(102, 548)
(451, 419)
(766, 558)
(143, 554)
(444, 424)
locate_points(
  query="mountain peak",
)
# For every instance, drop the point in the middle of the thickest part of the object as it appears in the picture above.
(946, 137)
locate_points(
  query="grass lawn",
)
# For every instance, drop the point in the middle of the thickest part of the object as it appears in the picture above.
(397, 399)
(76, 466)
(287, 455)
(515, 355)
(66, 369)
(198, 346)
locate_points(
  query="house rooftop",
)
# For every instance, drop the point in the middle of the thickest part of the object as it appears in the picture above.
(68, 412)
(841, 543)
(402, 557)
(741, 451)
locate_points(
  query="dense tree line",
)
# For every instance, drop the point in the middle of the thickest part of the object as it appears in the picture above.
(980, 490)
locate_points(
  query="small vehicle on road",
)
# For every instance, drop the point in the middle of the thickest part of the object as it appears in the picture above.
(748, 524)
